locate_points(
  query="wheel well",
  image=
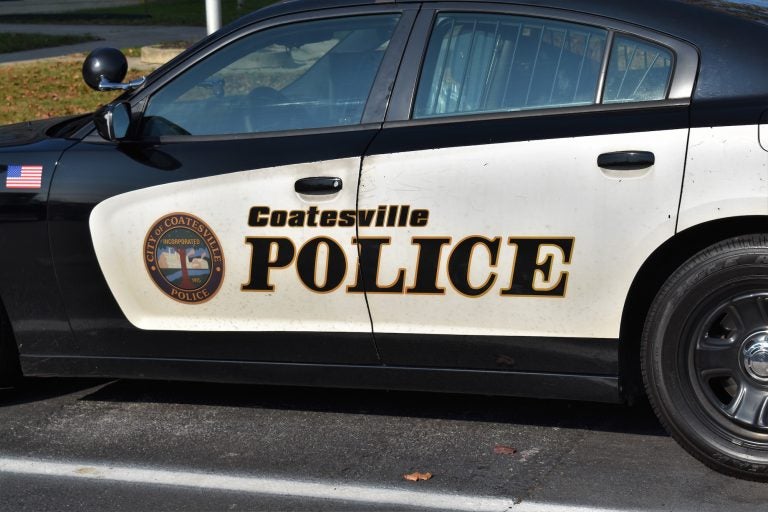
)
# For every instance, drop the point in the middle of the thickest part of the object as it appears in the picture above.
(652, 275)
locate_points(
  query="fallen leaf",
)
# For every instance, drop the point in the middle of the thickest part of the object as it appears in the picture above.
(504, 449)
(416, 476)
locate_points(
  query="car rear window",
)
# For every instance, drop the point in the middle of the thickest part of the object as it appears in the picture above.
(500, 63)
(637, 71)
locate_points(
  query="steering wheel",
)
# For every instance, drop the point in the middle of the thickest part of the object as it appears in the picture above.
(270, 110)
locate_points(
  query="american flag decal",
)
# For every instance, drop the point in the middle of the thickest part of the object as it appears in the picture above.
(23, 176)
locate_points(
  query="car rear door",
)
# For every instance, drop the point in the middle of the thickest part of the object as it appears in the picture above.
(531, 161)
(200, 238)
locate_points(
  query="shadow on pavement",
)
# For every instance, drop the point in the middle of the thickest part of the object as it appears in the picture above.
(638, 419)
(39, 389)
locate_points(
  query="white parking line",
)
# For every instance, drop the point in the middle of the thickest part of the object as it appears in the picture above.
(279, 487)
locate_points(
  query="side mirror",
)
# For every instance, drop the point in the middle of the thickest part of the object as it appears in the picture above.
(113, 122)
(105, 68)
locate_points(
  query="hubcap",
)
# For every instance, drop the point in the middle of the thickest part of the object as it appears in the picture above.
(730, 360)
(756, 357)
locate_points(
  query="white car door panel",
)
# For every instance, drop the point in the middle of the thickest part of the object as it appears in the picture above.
(538, 214)
(224, 203)
(724, 181)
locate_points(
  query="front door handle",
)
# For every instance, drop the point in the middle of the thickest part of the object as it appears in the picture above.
(626, 160)
(318, 186)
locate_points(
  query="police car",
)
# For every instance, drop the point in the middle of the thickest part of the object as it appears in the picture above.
(556, 198)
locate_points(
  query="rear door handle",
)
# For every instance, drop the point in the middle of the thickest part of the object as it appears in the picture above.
(626, 160)
(318, 185)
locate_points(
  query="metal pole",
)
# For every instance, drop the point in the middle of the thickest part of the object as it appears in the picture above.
(213, 15)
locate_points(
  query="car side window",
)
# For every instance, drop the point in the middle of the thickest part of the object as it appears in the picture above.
(479, 63)
(311, 74)
(637, 71)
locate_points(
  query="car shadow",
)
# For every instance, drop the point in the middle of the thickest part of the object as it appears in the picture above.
(638, 419)
(40, 389)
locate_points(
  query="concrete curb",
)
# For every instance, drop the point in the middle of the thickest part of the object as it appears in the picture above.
(156, 54)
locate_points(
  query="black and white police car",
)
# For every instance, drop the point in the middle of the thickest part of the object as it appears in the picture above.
(552, 198)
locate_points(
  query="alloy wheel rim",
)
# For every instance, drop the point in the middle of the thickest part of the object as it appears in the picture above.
(730, 360)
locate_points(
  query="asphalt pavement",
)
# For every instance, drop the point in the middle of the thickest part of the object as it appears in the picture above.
(132, 445)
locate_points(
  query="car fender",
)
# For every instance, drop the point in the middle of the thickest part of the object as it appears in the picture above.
(726, 175)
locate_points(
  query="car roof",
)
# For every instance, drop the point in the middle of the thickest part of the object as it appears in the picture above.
(677, 14)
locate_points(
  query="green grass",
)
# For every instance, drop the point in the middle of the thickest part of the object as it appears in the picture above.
(47, 89)
(134, 51)
(150, 12)
(16, 42)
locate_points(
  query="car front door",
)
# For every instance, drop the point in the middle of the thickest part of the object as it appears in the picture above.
(530, 163)
(217, 231)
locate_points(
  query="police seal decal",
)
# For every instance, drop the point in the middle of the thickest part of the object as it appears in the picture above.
(184, 258)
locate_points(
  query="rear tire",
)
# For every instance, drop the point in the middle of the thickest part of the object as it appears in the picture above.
(705, 356)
